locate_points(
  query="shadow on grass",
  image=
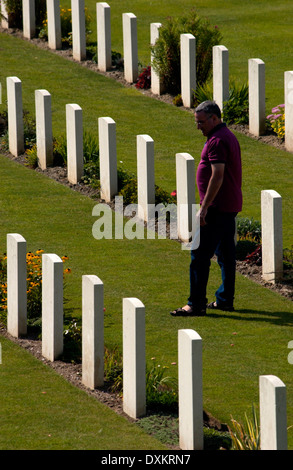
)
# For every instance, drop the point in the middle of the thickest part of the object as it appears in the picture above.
(276, 318)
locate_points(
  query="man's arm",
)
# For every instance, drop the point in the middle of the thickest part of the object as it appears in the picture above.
(214, 185)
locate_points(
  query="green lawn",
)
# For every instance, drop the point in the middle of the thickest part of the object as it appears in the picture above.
(42, 411)
(172, 129)
(237, 347)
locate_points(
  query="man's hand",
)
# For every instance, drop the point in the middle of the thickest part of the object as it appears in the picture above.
(214, 185)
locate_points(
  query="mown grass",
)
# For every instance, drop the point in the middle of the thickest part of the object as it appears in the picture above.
(42, 411)
(172, 129)
(237, 347)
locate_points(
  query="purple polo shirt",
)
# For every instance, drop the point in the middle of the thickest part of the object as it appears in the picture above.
(222, 147)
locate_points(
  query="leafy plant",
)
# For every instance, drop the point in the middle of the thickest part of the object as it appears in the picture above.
(203, 93)
(113, 369)
(245, 437)
(166, 51)
(14, 11)
(72, 346)
(236, 108)
(277, 120)
(161, 390)
(177, 100)
(66, 26)
(248, 229)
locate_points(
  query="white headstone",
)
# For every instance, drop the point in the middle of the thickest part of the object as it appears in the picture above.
(257, 103)
(130, 51)
(134, 370)
(185, 189)
(74, 137)
(52, 306)
(188, 68)
(190, 390)
(44, 128)
(272, 235)
(156, 82)
(220, 75)
(289, 111)
(145, 175)
(92, 331)
(5, 20)
(15, 116)
(54, 24)
(78, 30)
(28, 18)
(273, 413)
(16, 285)
(104, 36)
(108, 158)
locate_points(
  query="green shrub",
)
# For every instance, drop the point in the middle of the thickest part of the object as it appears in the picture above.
(161, 390)
(236, 108)
(66, 26)
(166, 51)
(14, 10)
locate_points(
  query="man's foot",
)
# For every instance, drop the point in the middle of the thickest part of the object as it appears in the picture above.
(188, 311)
(225, 308)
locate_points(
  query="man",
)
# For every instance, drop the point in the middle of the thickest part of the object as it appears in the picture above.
(219, 185)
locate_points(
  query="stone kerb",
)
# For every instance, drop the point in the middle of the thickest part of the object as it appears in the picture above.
(108, 158)
(220, 75)
(289, 111)
(134, 369)
(257, 104)
(78, 30)
(185, 189)
(188, 68)
(54, 24)
(16, 285)
(156, 82)
(29, 18)
(92, 331)
(15, 116)
(273, 413)
(103, 13)
(145, 175)
(74, 138)
(130, 52)
(52, 306)
(44, 131)
(272, 235)
(190, 390)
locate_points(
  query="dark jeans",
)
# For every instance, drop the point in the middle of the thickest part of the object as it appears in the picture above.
(216, 237)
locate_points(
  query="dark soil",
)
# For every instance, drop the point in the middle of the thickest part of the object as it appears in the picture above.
(73, 372)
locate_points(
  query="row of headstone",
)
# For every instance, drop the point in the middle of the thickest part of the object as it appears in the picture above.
(256, 67)
(190, 386)
(271, 201)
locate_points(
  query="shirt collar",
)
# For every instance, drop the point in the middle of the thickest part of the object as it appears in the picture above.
(216, 128)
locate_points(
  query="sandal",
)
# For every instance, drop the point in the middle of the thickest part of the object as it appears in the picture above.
(214, 306)
(181, 312)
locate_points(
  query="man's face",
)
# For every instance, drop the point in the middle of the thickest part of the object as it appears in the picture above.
(205, 122)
